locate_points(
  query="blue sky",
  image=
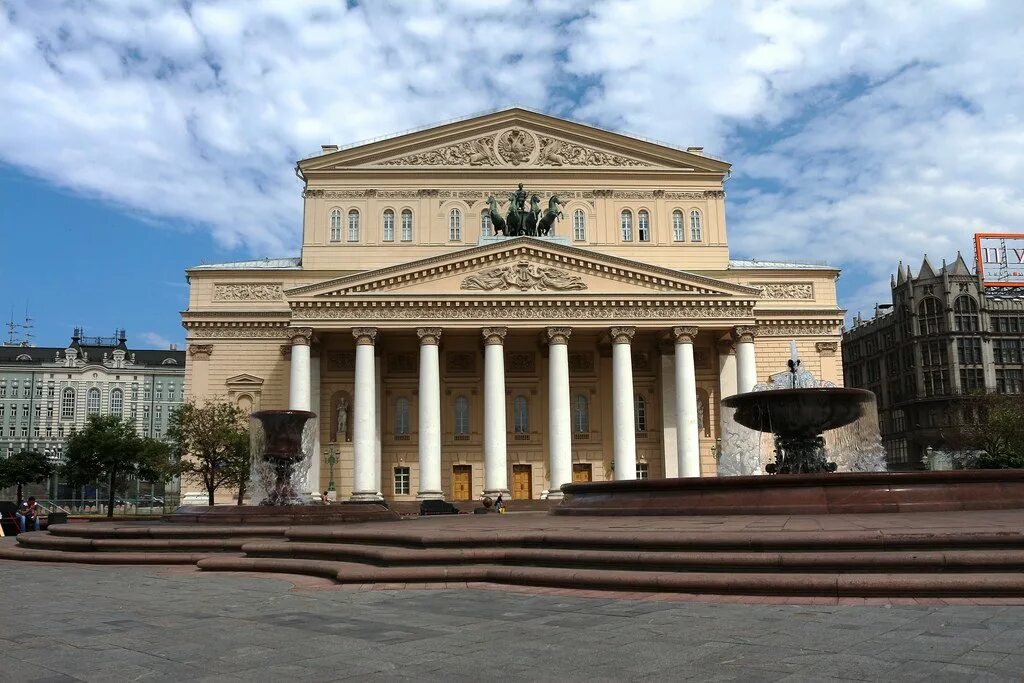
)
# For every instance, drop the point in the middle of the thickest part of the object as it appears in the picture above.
(138, 137)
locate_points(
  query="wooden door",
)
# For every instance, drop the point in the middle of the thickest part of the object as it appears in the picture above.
(462, 482)
(522, 482)
(582, 471)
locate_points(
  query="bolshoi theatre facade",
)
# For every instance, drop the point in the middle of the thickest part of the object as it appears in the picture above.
(506, 304)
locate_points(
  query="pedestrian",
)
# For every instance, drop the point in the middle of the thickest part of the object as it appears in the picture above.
(499, 505)
(28, 515)
(326, 499)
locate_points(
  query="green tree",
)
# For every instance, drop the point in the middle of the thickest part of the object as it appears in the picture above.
(989, 432)
(110, 450)
(212, 443)
(24, 467)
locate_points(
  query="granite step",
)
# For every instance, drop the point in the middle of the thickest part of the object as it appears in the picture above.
(43, 541)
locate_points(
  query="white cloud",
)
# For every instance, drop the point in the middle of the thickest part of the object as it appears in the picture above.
(151, 340)
(861, 132)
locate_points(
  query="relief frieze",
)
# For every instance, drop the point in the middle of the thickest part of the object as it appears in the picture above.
(248, 291)
(785, 290)
(523, 277)
(795, 329)
(555, 312)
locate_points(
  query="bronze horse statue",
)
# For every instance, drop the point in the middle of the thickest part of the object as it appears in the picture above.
(546, 225)
(497, 222)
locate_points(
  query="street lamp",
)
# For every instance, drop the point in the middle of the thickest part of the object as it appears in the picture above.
(331, 458)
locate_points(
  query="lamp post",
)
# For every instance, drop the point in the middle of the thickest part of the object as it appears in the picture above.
(331, 458)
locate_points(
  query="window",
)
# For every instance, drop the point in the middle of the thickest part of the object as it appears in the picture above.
(11, 431)
(389, 226)
(642, 471)
(899, 420)
(930, 318)
(92, 402)
(135, 392)
(965, 309)
(402, 417)
(49, 431)
(485, 223)
(2, 406)
(60, 431)
(26, 391)
(579, 225)
(643, 226)
(353, 226)
(39, 411)
(407, 225)
(933, 353)
(972, 380)
(968, 351)
(640, 412)
(159, 393)
(156, 433)
(696, 232)
(50, 391)
(455, 225)
(49, 412)
(677, 225)
(39, 391)
(3, 391)
(35, 430)
(1009, 381)
(521, 415)
(24, 410)
(580, 414)
(401, 481)
(1006, 351)
(336, 225)
(67, 404)
(934, 382)
(170, 393)
(897, 449)
(461, 417)
(626, 224)
(24, 431)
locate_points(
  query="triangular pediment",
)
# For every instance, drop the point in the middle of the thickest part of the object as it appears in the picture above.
(522, 266)
(514, 139)
(244, 380)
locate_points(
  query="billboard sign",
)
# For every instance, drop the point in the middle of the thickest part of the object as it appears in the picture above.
(1000, 258)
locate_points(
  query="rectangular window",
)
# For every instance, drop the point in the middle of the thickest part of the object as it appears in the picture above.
(35, 430)
(170, 393)
(49, 412)
(135, 392)
(968, 350)
(1, 410)
(39, 411)
(3, 391)
(642, 471)
(899, 421)
(1009, 381)
(156, 433)
(401, 481)
(50, 391)
(60, 431)
(39, 391)
(24, 410)
(24, 431)
(972, 380)
(49, 432)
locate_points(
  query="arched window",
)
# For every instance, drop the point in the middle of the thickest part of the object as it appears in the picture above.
(461, 416)
(580, 414)
(930, 318)
(92, 402)
(643, 226)
(485, 223)
(335, 225)
(455, 225)
(116, 403)
(407, 225)
(626, 223)
(67, 404)
(640, 412)
(521, 415)
(695, 227)
(579, 225)
(244, 403)
(389, 226)
(402, 416)
(965, 308)
(677, 225)
(353, 226)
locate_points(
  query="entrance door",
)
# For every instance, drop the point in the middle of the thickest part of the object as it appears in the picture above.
(522, 482)
(462, 482)
(582, 471)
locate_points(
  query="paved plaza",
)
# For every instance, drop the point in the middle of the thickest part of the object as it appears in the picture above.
(74, 622)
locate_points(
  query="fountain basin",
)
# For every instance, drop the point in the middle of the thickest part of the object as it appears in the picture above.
(804, 412)
(794, 494)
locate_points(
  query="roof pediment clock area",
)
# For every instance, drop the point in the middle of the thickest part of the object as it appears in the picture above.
(462, 273)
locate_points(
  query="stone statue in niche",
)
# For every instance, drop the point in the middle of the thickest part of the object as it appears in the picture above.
(700, 413)
(342, 424)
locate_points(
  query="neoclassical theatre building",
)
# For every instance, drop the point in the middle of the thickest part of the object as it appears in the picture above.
(448, 354)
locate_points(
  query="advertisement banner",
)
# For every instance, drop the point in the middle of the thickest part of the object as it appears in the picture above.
(1000, 258)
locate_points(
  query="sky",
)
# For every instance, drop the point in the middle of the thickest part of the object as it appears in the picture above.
(140, 137)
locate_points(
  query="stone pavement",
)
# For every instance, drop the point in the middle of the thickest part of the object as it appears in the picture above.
(74, 622)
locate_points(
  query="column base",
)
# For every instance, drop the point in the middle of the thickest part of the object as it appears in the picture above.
(366, 497)
(555, 495)
(430, 495)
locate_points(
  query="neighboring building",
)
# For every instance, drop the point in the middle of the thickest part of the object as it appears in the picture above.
(942, 337)
(46, 394)
(451, 362)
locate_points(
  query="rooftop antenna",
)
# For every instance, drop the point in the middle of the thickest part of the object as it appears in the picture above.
(19, 334)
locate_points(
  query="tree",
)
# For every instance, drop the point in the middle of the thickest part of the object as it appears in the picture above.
(989, 432)
(212, 443)
(24, 467)
(110, 450)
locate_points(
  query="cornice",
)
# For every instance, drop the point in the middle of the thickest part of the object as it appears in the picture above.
(219, 313)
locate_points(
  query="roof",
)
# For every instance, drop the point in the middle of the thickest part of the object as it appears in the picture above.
(144, 358)
(755, 264)
(289, 263)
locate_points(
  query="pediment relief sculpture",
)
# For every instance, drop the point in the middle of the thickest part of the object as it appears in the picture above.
(523, 277)
(515, 147)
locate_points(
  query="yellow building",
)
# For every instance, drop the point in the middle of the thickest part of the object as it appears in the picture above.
(447, 361)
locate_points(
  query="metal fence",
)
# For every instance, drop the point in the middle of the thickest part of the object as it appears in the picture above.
(123, 507)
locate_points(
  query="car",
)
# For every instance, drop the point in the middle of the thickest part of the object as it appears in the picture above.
(148, 500)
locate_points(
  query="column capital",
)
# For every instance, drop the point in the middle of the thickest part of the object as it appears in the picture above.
(494, 335)
(622, 335)
(429, 335)
(684, 335)
(299, 336)
(200, 351)
(557, 335)
(365, 336)
(744, 333)
(826, 348)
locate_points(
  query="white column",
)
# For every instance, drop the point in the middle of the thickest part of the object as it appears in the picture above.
(378, 393)
(313, 475)
(364, 417)
(430, 415)
(559, 411)
(623, 427)
(746, 364)
(495, 464)
(687, 437)
(298, 386)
